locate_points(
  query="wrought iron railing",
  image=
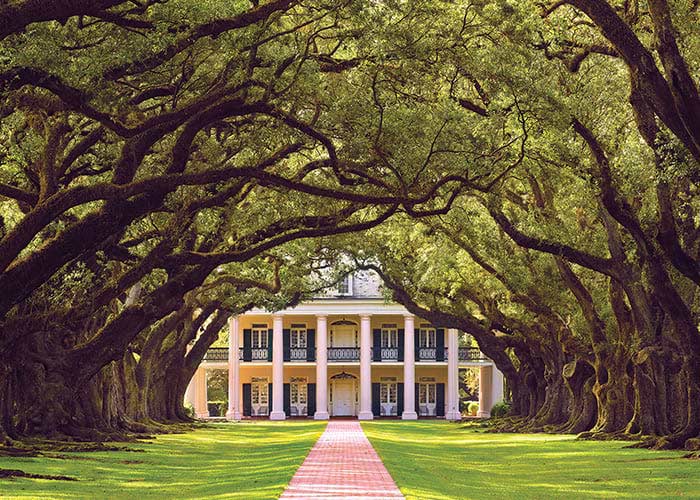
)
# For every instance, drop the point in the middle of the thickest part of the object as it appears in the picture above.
(471, 354)
(297, 354)
(343, 354)
(216, 354)
(390, 354)
(427, 354)
(347, 354)
(259, 354)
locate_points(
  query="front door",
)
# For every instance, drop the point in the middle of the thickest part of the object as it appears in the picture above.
(343, 398)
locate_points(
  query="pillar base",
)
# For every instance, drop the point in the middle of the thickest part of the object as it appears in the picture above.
(233, 415)
(202, 415)
(409, 415)
(321, 415)
(365, 415)
(278, 415)
(483, 414)
(453, 415)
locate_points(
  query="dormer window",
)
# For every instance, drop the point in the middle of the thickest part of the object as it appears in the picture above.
(345, 285)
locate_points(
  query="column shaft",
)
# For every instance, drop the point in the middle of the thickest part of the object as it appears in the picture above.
(409, 371)
(453, 412)
(234, 364)
(365, 369)
(277, 370)
(485, 402)
(201, 410)
(321, 368)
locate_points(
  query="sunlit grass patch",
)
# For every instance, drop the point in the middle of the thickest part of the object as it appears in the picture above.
(440, 460)
(251, 460)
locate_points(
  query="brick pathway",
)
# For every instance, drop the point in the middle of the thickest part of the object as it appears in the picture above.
(342, 464)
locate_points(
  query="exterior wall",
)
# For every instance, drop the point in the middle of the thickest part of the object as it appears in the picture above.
(368, 313)
(366, 284)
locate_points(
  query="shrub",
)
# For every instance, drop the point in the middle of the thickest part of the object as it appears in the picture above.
(473, 408)
(189, 410)
(500, 409)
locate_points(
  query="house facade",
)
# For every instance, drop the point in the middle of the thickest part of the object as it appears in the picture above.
(347, 353)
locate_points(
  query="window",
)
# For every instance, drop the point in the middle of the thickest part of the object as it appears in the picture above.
(345, 286)
(426, 336)
(259, 336)
(298, 336)
(390, 336)
(298, 390)
(258, 391)
(426, 394)
(388, 392)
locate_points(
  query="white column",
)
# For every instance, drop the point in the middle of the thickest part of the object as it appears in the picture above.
(496, 385)
(409, 370)
(277, 370)
(191, 389)
(452, 412)
(234, 364)
(485, 402)
(321, 368)
(365, 369)
(201, 409)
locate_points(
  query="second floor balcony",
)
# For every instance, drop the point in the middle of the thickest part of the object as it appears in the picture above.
(346, 354)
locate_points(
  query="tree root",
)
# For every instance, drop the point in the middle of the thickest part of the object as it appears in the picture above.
(12, 473)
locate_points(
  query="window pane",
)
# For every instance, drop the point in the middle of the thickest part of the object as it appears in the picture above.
(384, 394)
(431, 393)
(301, 391)
(422, 393)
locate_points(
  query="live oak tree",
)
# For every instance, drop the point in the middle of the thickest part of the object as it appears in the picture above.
(549, 149)
(147, 147)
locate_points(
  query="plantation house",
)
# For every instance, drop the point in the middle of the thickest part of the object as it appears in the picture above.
(347, 353)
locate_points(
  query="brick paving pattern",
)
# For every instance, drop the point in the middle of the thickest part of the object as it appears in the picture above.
(342, 464)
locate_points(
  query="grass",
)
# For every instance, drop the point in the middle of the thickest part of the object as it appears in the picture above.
(247, 460)
(440, 460)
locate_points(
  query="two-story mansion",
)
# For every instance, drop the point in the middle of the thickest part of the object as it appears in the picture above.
(348, 353)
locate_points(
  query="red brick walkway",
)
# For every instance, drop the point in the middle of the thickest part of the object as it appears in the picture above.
(342, 464)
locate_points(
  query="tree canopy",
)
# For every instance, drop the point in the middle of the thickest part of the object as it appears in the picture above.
(523, 171)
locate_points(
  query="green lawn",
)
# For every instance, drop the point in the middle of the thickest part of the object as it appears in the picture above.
(440, 460)
(246, 460)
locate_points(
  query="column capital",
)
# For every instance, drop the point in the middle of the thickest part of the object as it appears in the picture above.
(365, 316)
(409, 317)
(277, 316)
(321, 316)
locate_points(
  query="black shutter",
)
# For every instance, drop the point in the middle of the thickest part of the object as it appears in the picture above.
(269, 397)
(401, 344)
(417, 396)
(440, 400)
(416, 343)
(310, 345)
(440, 344)
(399, 399)
(377, 349)
(376, 395)
(287, 344)
(310, 399)
(247, 345)
(287, 404)
(269, 344)
(247, 400)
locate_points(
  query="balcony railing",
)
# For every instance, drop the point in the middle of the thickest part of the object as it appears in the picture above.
(216, 354)
(471, 354)
(348, 354)
(343, 354)
(297, 354)
(390, 354)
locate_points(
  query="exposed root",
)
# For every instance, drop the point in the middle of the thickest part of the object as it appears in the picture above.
(12, 473)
